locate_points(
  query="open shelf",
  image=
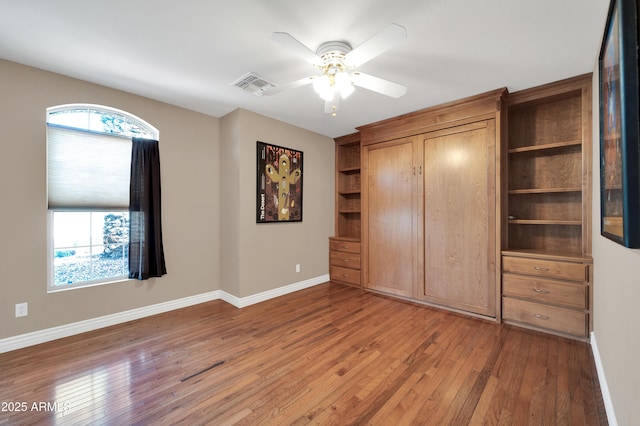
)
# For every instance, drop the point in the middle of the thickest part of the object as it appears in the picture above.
(547, 237)
(552, 254)
(348, 204)
(352, 169)
(544, 190)
(545, 147)
(544, 222)
(349, 191)
(546, 196)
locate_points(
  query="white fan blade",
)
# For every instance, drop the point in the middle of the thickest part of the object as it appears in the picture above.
(292, 85)
(379, 85)
(380, 42)
(287, 41)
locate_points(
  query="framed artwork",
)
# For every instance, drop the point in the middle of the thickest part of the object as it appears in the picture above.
(279, 194)
(619, 125)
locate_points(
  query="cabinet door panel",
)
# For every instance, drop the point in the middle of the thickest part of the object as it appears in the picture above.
(459, 218)
(390, 217)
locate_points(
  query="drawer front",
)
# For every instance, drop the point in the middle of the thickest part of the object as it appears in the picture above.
(348, 246)
(549, 317)
(546, 268)
(345, 259)
(545, 291)
(351, 276)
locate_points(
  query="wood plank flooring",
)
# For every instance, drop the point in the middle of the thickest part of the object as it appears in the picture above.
(324, 355)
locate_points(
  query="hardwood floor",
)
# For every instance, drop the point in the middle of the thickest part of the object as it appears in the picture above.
(324, 355)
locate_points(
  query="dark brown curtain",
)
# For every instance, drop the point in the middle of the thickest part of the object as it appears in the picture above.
(146, 253)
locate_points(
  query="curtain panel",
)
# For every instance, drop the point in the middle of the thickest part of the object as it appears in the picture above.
(146, 252)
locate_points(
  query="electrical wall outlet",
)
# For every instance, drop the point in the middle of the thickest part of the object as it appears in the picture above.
(22, 309)
(298, 267)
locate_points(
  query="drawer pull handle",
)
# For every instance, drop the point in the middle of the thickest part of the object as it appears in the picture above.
(538, 268)
(542, 317)
(345, 247)
(345, 260)
(345, 275)
(539, 291)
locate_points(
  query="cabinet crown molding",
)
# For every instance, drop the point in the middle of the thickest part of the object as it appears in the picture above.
(468, 110)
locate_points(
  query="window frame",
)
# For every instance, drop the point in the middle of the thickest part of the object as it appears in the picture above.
(51, 285)
(153, 133)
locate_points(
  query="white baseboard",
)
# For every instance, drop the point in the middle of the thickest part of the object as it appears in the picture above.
(46, 335)
(241, 302)
(604, 388)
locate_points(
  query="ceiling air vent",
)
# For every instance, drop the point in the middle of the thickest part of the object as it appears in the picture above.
(253, 83)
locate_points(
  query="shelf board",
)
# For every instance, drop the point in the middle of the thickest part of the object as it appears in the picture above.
(352, 169)
(536, 253)
(349, 211)
(346, 238)
(544, 190)
(349, 192)
(544, 222)
(538, 148)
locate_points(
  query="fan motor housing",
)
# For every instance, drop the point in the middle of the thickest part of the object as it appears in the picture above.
(332, 49)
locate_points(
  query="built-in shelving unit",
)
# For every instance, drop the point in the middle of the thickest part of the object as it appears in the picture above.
(546, 265)
(348, 207)
(344, 247)
(548, 200)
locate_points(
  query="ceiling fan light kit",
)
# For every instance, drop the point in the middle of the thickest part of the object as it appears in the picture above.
(336, 59)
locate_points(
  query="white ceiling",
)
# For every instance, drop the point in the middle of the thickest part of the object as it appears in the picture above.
(188, 52)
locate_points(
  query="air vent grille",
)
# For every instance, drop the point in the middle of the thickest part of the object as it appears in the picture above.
(253, 83)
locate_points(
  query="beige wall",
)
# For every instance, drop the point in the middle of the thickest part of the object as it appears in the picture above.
(208, 187)
(616, 299)
(261, 257)
(189, 155)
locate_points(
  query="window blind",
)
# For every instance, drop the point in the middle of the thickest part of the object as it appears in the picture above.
(87, 171)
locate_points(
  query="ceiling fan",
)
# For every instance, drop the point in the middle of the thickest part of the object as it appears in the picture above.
(338, 61)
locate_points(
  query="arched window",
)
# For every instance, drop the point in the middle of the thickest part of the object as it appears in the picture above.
(88, 170)
(100, 119)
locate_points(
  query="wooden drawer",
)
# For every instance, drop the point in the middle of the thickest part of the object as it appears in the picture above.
(546, 268)
(546, 291)
(348, 246)
(347, 275)
(550, 317)
(345, 259)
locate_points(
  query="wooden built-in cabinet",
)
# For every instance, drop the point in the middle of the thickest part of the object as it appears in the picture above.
(344, 247)
(481, 206)
(344, 261)
(547, 240)
(430, 187)
(547, 292)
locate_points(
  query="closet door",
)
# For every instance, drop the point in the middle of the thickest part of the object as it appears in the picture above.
(389, 220)
(459, 209)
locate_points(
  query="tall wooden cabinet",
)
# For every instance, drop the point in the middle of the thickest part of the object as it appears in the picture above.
(482, 206)
(430, 187)
(344, 246)
(547, 240)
